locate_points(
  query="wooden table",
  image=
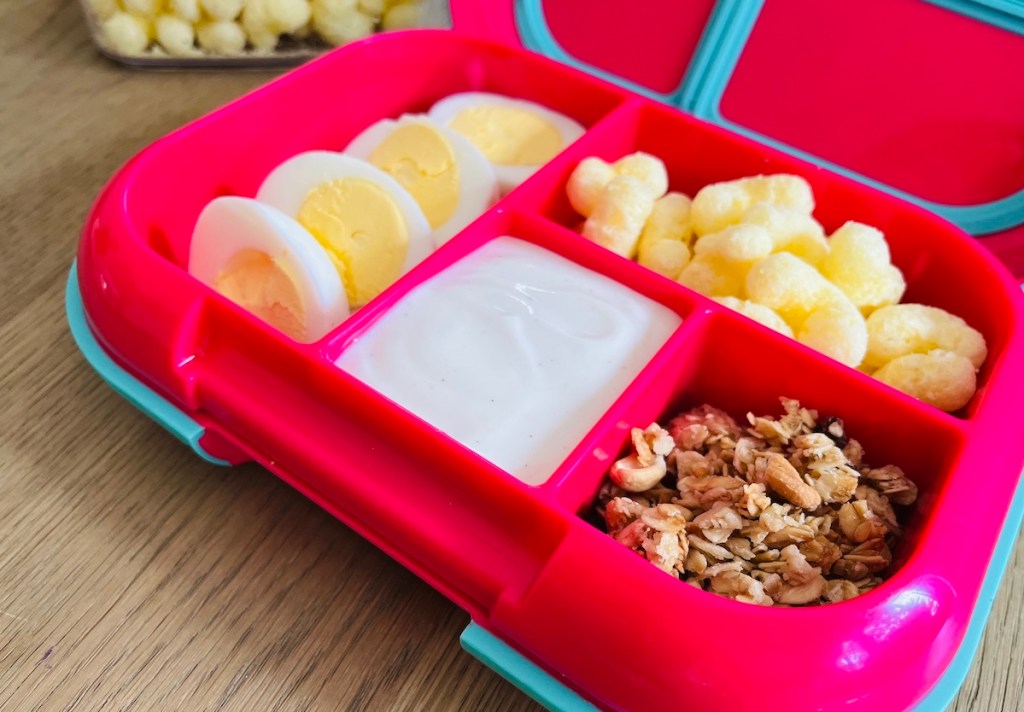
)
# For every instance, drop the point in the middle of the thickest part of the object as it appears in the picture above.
(133, 575)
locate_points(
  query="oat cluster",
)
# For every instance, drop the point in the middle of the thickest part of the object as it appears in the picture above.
(778, 512)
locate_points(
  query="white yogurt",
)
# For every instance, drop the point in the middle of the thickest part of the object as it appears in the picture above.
(513, 351)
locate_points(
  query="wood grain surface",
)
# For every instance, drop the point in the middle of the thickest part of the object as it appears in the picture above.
(133, 575)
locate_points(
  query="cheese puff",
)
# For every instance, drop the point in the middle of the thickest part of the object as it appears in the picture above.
(670, 219)
(332, 9)
(126, 33)
(187, 10)
(401, 17)
(719, 205)
(266, 20)
(902, 329)
(737, 243)
(176, 35)
(735, 250)
(872, 290)
(666, 257)
(222, 9)
(758, 312)
(787, 190)
(375, 8)
(287, 16)
(143, 8)
(649, 170)
(103, 9)
(859, 264)
(791, 287)
(791, 230)
(262, 39)
(619, 216)
(586, 182)
(713, 276)
(221, 37)
(940, 378)
(338, 25)
(258, 25)
(592, 174)
(837, 330)
(664, 242)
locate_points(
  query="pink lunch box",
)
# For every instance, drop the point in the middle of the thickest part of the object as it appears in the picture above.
(522, 560)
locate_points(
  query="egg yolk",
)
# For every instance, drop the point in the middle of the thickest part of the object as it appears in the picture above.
(255, 281)
(419, 157)
(363, 231)
(509, 135)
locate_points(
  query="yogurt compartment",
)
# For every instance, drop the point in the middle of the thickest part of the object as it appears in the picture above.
(513, 351)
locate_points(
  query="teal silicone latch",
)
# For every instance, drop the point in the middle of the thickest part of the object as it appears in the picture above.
(139, 394)
(555, 696)
(522, 673)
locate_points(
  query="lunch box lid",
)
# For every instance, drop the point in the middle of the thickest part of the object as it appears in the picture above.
(913, 97)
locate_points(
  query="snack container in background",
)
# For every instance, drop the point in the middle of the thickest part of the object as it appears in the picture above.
(195, 34)
(567, 613)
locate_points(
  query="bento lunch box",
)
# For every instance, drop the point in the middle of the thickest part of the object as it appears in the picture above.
(557, 605)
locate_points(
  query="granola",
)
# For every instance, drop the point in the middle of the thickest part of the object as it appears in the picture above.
(780, 511)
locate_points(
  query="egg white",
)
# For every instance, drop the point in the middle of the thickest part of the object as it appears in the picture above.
(508, 176)
(228, 225)
(288, 185)
(478, 184)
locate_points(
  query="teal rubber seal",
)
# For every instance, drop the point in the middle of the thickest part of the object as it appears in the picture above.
(555, 696)
(1001, 13)
(729, 25)
(980, 219)
(138, 394)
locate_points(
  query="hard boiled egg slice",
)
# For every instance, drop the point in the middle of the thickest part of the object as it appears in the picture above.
(450, 179)
(372, 229)
(515, 135)
(267, 263)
